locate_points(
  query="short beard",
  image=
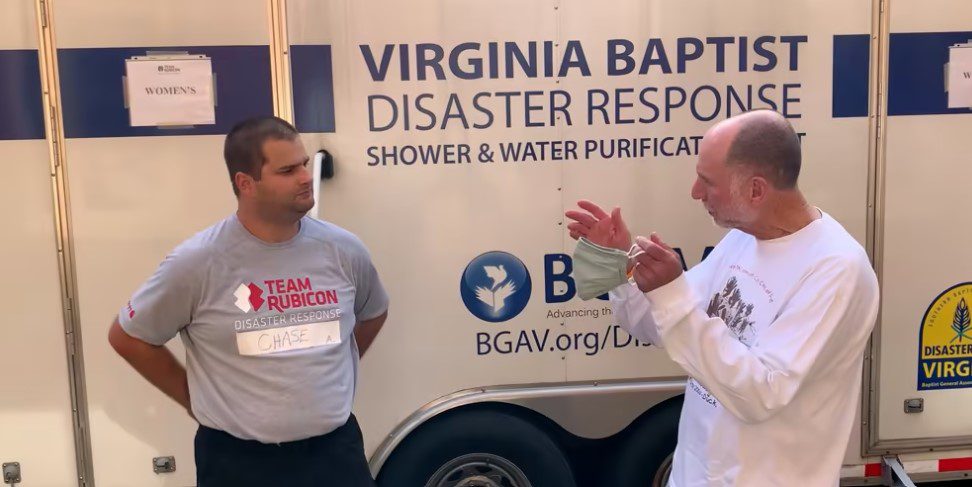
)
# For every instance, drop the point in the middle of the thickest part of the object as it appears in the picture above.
(740, 216)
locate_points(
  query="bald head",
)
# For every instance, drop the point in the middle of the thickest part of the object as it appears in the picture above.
(764, 141)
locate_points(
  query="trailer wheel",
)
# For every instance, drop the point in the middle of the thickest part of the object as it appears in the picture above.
(644, 457)
(481, 448)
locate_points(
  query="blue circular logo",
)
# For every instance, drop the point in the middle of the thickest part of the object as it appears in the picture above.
(495, 286)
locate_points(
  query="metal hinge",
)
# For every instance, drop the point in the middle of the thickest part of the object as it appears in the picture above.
(70, 344)
(55, 137)
(43, 13)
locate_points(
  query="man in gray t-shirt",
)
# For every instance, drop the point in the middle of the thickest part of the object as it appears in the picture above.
(274, 309)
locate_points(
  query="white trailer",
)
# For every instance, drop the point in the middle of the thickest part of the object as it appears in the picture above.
(456, 134)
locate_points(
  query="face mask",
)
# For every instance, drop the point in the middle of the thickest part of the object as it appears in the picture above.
(598, 270)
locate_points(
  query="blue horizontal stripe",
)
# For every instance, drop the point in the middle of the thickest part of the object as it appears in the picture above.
(21, 104)
(852, 61)
(313, 87)
(916, 75)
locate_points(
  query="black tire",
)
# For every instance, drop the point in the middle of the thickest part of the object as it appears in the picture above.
(499, 445)
(643, 457)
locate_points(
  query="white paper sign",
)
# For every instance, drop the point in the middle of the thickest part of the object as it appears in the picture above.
(960, 76)
(170, 91)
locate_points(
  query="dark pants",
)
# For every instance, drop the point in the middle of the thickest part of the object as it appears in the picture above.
(336, 459)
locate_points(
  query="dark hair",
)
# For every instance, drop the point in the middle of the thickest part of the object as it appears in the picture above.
(769, 145)
(243, 149)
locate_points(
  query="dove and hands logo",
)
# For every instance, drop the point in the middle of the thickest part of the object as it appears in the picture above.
(501, 289)
(495, 286)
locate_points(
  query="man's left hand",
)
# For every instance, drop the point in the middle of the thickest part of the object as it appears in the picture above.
(657, 266)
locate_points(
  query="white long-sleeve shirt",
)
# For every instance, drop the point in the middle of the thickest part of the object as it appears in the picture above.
(772, 334)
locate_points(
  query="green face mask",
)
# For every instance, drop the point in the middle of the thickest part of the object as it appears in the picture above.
(598, 270)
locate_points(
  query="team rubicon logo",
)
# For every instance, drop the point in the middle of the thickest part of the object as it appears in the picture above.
(281, 294)
(249, 297)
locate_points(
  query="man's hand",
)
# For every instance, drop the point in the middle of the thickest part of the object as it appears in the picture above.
(657, 266)
(599, 227)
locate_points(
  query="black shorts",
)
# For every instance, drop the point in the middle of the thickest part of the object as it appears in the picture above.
(334, 459)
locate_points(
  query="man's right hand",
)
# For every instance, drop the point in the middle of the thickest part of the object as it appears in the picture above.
(598, 226)
(657, 266)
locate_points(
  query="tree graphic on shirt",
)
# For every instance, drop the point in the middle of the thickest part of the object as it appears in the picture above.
(732, 309)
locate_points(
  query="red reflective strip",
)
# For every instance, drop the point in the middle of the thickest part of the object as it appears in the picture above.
(872, 470)
(954, 464)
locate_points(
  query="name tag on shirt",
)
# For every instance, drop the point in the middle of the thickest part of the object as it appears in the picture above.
(283, 339)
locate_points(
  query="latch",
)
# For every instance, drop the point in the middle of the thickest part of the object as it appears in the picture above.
(913, 406)
(11, 473)
(163, 464)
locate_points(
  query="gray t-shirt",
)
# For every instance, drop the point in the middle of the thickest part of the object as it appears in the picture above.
(267, 328)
